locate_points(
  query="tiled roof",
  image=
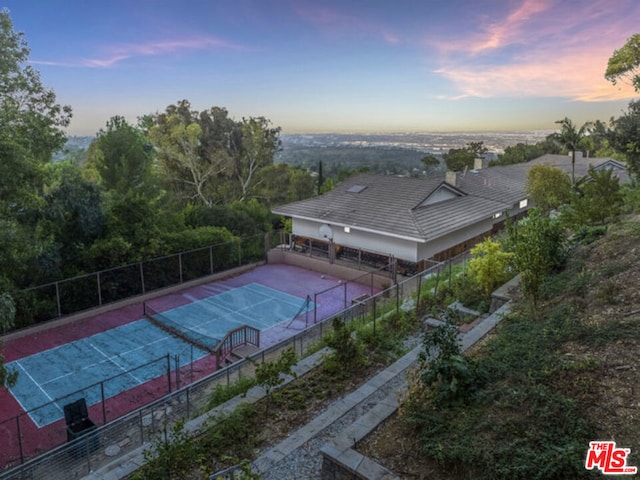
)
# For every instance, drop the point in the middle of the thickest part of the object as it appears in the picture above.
(392, 205)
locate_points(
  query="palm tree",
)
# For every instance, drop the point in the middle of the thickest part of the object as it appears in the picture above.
(570, 137)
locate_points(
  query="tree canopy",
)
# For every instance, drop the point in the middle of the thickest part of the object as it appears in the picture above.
(547, 186)
(624, 63)
(457, 159)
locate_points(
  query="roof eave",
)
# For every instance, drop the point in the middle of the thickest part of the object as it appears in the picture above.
(356, 227)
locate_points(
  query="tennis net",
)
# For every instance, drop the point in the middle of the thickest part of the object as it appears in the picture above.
(175, 328)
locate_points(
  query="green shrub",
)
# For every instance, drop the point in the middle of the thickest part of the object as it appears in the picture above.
(223, 393)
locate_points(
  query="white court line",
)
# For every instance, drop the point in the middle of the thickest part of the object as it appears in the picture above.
(111, 359)
(17, 362)
(123, 353)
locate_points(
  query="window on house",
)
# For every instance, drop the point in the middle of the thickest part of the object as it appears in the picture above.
(524, 203)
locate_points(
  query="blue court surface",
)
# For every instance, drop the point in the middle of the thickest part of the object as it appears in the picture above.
(207, 321)
(52, 375)
(50, 379)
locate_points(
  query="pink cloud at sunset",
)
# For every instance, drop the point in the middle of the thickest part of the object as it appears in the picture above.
(537, 51)
(577, 75)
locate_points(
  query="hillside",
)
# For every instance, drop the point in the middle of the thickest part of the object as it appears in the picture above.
(556, 382)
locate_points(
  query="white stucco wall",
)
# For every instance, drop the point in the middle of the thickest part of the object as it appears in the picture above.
(403, 249)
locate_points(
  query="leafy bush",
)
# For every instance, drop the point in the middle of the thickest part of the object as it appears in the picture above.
(490, 266)
(471, 294)
(223, 393)
(450, 377)
(348, 350)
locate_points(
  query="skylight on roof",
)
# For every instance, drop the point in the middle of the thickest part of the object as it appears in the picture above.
(356, 188)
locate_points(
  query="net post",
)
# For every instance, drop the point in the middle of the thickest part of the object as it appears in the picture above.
(315, 308)
(306, 313)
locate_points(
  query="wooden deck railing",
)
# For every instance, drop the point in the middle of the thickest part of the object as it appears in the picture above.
(244, 335)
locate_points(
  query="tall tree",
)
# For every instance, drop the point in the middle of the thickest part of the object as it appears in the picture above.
(73, 217)
(123, 158)
(195, 150)
(548, 186)
(260, 142)
(624, 63)
(537, 242)
(597, 199)
(31, 125)
(178, 144)
(31, 121)
(624, 136)
(570, 137)
(457, 159)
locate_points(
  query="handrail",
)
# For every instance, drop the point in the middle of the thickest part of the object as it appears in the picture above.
(242, 335)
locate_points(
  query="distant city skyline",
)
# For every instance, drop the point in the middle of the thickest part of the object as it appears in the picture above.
(352, 66)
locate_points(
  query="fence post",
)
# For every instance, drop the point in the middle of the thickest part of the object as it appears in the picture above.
(104, 408)
(397, 298)
(20, 439)
(142, 278)
(180, 265)
(58, 300)
(211, 258)
(176, 359)
(99, 289)
(374, 316)
(418, 294)
(169, 371)
(141, 428)
(371, 283)
(345, 295)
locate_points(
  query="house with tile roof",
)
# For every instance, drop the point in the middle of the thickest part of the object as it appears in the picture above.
(413, 219)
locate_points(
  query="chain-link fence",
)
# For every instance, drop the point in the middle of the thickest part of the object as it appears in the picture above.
(129, 432)
(65, 297)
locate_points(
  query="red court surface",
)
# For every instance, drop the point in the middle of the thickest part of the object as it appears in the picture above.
(285, 278)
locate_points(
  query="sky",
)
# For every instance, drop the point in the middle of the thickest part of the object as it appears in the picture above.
(334, 66)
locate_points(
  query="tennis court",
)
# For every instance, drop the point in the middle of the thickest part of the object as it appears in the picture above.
(81, 365)
(126, 351)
